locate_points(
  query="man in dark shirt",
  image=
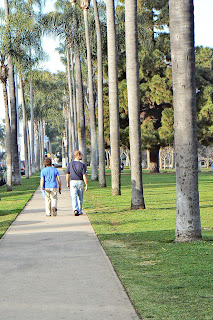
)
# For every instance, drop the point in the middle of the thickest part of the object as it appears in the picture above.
(78, 176)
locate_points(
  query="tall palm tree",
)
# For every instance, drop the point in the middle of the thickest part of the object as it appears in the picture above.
(80, 107)
(113, 98)
(101, 144)
(3, 79)
(94, 165)
(188, 226)
(79, 89)
(13, 110)
(25, 127)
(70, 110)
(137, 199)
(74, 100)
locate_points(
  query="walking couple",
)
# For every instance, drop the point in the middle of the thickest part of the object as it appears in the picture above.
(76, 176)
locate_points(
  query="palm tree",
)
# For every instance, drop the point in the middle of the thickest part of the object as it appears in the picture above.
(70, 110)
(79, 88)
(3, 79)
(12, 90)
(80, 107)
(101, 149)
(85, 6)
(137, 199)
(113, 98)
(25, 127)
(74, 99)
(188, 226)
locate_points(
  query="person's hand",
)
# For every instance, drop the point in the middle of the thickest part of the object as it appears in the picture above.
(68, 186)
(86, 188)
(59, 190)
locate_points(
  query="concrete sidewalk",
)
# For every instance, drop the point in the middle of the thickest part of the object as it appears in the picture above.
(55, 268)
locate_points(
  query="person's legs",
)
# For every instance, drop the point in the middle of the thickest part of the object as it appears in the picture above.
(80, 195)
(74, 195)
(53, 196)
(47, 202)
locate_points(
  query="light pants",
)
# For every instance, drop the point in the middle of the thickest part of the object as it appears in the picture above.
(77, 191)
(50, 200)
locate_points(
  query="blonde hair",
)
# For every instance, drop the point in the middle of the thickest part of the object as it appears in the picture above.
(77, 153)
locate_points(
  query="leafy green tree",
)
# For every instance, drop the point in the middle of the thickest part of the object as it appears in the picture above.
(204, 86)
(166, 131)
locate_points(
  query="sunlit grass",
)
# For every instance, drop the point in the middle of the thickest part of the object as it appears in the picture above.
(13, 202)
(165, 280)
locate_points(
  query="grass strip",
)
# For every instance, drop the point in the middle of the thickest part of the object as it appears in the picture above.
(13, 202)
(165, 280)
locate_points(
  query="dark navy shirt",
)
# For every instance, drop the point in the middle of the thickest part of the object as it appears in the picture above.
(76, 169)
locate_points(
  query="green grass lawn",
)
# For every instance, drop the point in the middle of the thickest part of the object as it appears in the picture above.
(13, 202)
(165, 280)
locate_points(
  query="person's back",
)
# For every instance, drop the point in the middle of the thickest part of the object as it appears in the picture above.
(48, 183)
(50, 177)
(76, 170)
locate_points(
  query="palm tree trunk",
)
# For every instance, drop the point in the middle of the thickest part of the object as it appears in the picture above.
(37, 130)
(24, 127)
(74, 101)
(13, 111)
(29, 150)
(101, 142)
(41, 132)
(8, 138)
(92, 118)
(188, 226)
(148, 158)
(113, 99)
(80, 108)
(32, 136)
(70, 111)
(132, 70)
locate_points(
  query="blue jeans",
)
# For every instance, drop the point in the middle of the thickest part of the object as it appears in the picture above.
(77, 191)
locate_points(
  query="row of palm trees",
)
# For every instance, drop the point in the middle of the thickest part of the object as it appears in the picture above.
(188, 217)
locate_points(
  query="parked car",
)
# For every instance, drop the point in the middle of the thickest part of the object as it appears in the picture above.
(22, 167)
(3, 173)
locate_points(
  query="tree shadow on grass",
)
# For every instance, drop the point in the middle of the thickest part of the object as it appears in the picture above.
(8, 212)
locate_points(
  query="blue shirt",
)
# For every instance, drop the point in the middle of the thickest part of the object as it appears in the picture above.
(49, 174)
(76, 169)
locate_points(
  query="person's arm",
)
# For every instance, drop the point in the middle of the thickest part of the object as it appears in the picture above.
(85, 181)
(42, 183)
(59, 183)
(68, 180)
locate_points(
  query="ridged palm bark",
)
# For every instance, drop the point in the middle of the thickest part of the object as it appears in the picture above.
(188, 226)
(21, 85)
(32, 131)
(101, 143)
(79, 94)
(37, 158)
(113, 99)
(74, 100)
(70, 111)
(92, 118)
(80, 108)
(13, 111)
(3, 79)
(132, 71)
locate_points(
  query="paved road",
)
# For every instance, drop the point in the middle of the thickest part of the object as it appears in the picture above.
(54, 268)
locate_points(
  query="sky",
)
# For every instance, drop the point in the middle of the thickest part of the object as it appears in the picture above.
(203, 36)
